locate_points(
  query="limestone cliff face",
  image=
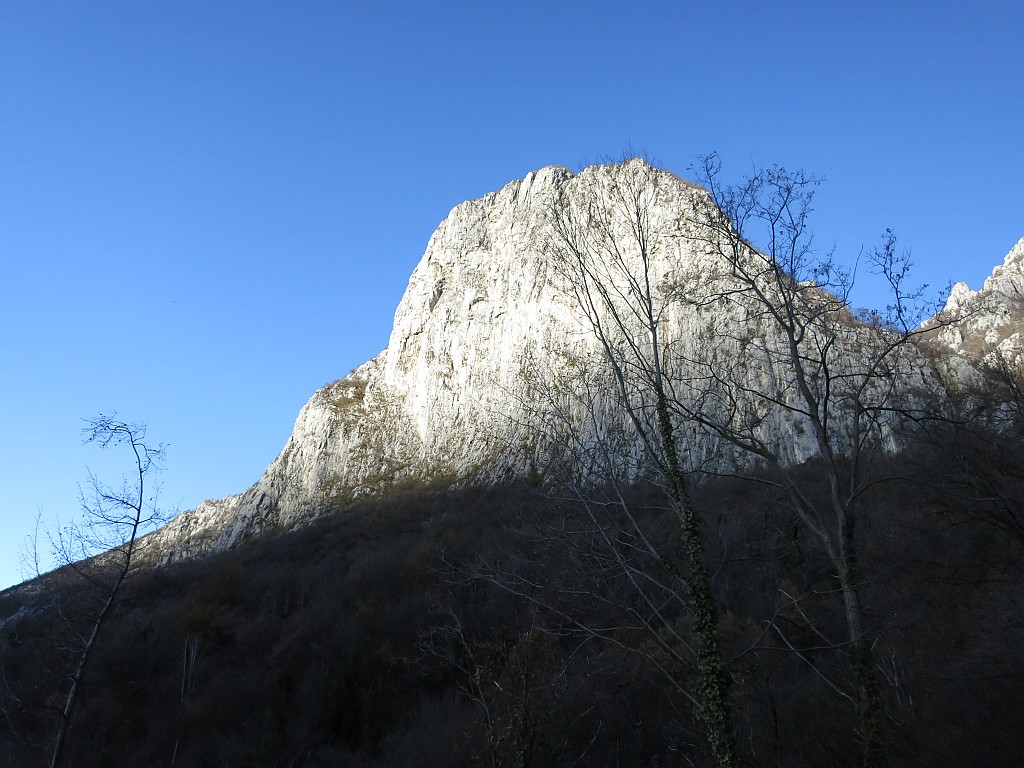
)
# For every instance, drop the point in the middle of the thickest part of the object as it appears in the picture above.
(433, 403)
(492, 368)
(987, 323)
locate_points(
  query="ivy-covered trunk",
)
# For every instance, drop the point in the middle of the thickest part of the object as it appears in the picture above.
(712, 676)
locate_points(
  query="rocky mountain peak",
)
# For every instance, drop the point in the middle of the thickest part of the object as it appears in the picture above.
(984, 324)
(487, 342)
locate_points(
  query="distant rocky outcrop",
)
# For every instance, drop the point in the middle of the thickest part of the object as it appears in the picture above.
(982, 324)
(485, 327)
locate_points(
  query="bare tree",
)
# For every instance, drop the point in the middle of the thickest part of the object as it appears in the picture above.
(101, 548)
(606, 249)
(838, 381)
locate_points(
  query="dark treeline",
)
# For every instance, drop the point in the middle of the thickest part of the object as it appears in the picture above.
(503, 626)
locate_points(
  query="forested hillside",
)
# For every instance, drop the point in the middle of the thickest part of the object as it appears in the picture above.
(503, 626)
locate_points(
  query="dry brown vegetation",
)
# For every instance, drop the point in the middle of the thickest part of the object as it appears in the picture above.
(379, 637)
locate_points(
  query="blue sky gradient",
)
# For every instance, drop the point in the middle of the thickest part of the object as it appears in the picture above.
(209, 210)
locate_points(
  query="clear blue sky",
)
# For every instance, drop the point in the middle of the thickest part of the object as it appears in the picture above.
(210, 209)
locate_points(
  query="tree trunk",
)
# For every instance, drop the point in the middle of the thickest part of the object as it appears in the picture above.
(869, 699)
(713, 678)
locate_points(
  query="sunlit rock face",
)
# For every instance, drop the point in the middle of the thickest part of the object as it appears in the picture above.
(986, 324)
(493, 371)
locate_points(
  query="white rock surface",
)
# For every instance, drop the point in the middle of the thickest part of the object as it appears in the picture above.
(985, 323)
(488, 346)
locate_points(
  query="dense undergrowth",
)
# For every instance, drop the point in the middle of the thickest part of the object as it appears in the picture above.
(492, 626)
